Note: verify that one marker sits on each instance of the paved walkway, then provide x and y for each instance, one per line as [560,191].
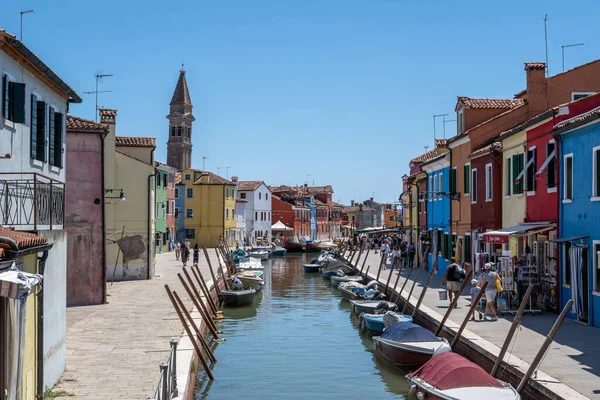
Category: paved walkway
[573,359]
[114,350]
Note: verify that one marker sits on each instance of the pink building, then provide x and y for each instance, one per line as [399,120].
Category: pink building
[84,212]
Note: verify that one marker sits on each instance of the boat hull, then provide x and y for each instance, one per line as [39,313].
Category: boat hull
[260,255]
[374,322]
[237,298]
[293,247]
[252,283]
[348,294]
[279,252]
[408,354]
[369,306]
[506,393]
[311,267]
[337,280]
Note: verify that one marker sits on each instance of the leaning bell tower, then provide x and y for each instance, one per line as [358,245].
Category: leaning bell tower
[179,145]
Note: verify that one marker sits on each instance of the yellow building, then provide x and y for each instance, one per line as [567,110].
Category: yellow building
[514,196]
[209,207]
[129,186]
[20,248]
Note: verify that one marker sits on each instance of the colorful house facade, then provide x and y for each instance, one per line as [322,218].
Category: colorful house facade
[579,215]
[164,209]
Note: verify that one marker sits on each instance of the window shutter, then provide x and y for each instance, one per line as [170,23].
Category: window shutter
[521,166]
[18,102]
[51,133]
[41,154]
[534,169]
[59,139]
[33,127]
[515,173]
[597,166]
[5,97]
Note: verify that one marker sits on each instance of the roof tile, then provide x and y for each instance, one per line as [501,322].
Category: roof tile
[249,185]
[135,141]
[213,179]
[490,103]
[76,124]
[23,239]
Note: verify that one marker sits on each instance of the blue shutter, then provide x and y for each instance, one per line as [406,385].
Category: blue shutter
[51,143]
[18,102]
[59,139]
[33,127]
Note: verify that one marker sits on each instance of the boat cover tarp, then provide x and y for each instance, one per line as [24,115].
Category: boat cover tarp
[451,371]
[408,332]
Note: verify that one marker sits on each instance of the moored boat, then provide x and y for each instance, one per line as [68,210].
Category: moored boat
[369,306]
[238,255]
[250,264]
[260,253]
[405,344]
[294,247]
[351,290]
[234,298]
[374,323]
[449,376]
[251,279]
[337,280]
[311,267]
[279,251]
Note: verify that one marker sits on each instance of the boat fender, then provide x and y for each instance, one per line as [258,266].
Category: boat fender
[412,390]
[369,294]
[236,284]
[372,285]
[421,396]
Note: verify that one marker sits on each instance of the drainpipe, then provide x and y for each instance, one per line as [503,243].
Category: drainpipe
[150,239]
[40,323]
[102,137]
[557,142]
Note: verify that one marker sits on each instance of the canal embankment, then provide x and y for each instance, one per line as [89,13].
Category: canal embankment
[568,371]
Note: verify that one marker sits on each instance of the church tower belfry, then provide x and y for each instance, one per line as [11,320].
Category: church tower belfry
[179,145]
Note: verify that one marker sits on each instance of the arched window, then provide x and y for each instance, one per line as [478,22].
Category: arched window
[173,131]
[178,131]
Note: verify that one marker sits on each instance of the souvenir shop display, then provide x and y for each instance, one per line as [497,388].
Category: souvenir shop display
[528,274]
[507,299]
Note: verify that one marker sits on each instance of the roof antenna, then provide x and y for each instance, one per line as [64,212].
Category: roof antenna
[546,39]
[426,147]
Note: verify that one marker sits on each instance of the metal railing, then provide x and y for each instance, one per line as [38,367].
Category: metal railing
[31,199]
[166,388]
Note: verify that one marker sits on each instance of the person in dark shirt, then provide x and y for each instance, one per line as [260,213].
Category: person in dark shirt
[450,280]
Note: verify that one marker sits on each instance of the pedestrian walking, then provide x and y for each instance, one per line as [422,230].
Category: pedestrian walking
[410,254]
[177,250]
[451,279]
[196,254]
[490,291]
[185,254]
[474,293]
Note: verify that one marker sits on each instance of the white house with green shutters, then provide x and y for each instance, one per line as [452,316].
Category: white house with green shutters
[34,103]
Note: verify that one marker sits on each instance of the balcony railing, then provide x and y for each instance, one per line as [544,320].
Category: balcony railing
[166,388]
[31,201]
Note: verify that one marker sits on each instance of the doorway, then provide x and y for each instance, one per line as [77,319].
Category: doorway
[585,287]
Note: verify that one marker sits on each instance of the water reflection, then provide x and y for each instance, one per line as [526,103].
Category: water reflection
[298,340]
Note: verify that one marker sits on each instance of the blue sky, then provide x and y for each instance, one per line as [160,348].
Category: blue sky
[341,90]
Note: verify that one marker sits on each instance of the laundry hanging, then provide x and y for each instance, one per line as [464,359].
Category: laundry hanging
[576,261]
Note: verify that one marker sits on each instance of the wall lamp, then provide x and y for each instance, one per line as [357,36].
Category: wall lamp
[121,195]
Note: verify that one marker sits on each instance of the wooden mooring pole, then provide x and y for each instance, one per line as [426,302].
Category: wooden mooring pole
[212,273]
[404,284]
[190,335]
[380,264]
[422,296]
[199,335]
[225,278]
[365,260]
[512,330]
[407,300]
[212,327]
[545,345]
[454,301]
[357,259]
[205,290]
[471,311]
[396,284]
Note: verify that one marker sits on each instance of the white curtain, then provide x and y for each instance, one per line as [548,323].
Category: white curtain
[576,261]
[15,343]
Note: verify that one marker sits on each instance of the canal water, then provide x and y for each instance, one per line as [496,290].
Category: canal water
[298,341]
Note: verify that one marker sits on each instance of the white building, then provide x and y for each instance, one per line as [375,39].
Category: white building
[240,221]
[35,102]
[258,209]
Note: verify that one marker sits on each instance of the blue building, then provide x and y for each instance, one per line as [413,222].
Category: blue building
[438,210]
[579,215]
[180,233]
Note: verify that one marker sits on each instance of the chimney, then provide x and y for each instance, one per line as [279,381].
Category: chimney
[371,199]
[537,88]
[107,115]
[352,203]
[234,179]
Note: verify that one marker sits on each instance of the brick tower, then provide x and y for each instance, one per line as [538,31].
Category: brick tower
[179,145]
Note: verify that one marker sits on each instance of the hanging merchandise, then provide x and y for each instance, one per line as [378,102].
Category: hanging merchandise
[507,272]
[480,260]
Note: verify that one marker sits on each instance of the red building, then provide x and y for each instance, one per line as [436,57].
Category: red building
[291,215]
[84,212]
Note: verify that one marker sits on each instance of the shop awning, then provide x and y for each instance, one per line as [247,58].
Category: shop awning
[570,239]
[501,235]
[15,284]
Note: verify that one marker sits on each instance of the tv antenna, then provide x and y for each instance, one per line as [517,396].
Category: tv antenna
[563,52]
[434,117]
[98,77]
[23,13]
[225,168]
[546,40]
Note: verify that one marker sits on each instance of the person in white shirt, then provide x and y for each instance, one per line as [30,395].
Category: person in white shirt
[385,250]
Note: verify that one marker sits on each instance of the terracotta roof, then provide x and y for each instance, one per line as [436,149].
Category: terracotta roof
[495,146]
[577,121]
[107,112]
[36,63]
[181,95]
[23,240]
[319,189]
[213,179]
[489,103]
[350,209]
[437,157]
[76,124]
[521,93]
[135,141]
[320,203]
[425,156]
[249,185]
[535,65]
[465,133]
[441,143]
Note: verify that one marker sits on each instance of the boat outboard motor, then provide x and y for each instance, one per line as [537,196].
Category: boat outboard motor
[369,294]
[382,308]
[339,272]
[236,284]
[372,285]
[314,261]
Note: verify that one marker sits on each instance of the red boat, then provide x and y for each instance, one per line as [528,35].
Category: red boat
[294,247]
[449,376]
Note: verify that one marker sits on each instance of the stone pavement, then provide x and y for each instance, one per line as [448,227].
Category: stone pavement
[114,350]
[573,358]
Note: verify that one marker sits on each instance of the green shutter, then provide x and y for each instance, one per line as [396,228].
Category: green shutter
[467,178]
[41,154]
[33,127]
[18,102]
[51,142]
[453,181]
[515,173]
[521,167]
[6,97]
[58,140]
